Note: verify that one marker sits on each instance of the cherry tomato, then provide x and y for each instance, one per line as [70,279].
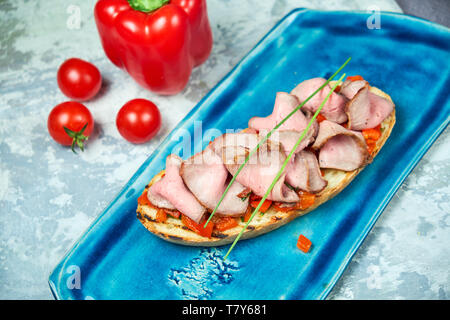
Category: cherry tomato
[79,79]
[138,120]
[70,124]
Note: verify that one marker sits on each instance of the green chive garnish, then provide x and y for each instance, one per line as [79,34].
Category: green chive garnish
[269,134]
[280,172]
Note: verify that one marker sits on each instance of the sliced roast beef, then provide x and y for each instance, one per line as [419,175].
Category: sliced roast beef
[159,201]
[229,142]
[288,139]
[332,110]
[289,132]
[343,153]
[314,126]
[240,139]
[207,178]
[285,103]
[304,173]
[260,171]
[171,188]
[340,148]
[316,182]
[350,88]
[367,110]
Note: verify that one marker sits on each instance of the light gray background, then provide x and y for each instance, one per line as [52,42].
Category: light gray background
[49,196]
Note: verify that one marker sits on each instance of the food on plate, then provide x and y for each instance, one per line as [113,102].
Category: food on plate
[303,243]
[78,79]
[70,124]
[157,42]
[138,121]
[354,123]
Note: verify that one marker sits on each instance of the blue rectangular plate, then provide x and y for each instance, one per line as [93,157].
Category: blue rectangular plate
[407,58]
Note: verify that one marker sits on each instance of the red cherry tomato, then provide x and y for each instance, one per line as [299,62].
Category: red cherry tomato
[70,124]
[138,120]
[79,79]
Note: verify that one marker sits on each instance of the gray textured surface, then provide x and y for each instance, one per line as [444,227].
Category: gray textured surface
[49,196]
[434,10]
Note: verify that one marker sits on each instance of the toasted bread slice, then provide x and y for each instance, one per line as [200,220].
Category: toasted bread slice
[174,230]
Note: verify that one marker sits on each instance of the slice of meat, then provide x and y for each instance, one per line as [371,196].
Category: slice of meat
[350,88]
[243,139]
[285,103]
[230,141]
[332,110]
[159,200]
[289,132]
[260,171]
[316,182]
[207,178]
[314,125]
[249,140]
[304,173]
[329,129]
[171,188]
[288,139]
[297,173]
[367,110]
[340,148]
[343,153]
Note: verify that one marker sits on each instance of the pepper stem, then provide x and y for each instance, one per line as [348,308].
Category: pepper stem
[147,5]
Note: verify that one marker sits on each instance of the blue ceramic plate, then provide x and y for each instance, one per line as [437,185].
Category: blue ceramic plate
[408,58]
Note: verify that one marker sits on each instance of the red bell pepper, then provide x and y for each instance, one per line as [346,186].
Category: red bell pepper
[198,227]
[157,42]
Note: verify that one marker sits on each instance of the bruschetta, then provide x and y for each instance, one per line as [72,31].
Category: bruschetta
[349,132]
